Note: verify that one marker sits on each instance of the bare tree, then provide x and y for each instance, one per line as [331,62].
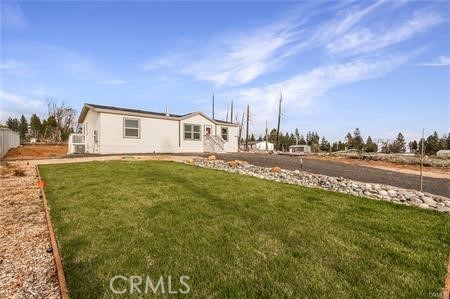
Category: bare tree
[64,116]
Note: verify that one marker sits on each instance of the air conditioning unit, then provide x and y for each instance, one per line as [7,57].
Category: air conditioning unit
[79,149]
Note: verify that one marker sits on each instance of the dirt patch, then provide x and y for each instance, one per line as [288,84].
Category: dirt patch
[36,151]
[27,270]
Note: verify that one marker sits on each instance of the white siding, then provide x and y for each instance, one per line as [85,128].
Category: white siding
[92,123]
[156,135]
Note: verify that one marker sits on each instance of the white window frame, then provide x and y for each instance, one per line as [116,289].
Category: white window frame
[227,134]
[138,128]
[191,131]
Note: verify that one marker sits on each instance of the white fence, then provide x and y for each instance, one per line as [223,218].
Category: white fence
[8,139]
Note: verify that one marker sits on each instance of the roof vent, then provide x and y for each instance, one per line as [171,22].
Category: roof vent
[167,111]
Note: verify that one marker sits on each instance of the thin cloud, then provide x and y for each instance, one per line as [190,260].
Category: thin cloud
[438,61]
[239,58]
[13,104]
[113,82]
[365,40]
[12,16]
[301,92]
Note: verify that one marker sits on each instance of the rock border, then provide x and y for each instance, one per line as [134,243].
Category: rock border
[337,184]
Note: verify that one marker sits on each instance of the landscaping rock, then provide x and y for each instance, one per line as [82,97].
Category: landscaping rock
[373,191]
[276,169]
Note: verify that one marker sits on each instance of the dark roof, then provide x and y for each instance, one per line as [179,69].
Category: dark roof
[133,110]
[147,112]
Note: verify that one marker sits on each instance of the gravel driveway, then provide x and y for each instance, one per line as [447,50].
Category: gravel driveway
[338,169]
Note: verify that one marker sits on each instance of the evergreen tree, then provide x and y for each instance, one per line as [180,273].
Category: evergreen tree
[302,140]
[370,146]
[413,147]
[432,145]
[23,127]
[357,141]
[335,147]
[35,125]
[349,141]
[273,136]
[13,124]
[399,145]
[324,145]
[297,136]
[252,138]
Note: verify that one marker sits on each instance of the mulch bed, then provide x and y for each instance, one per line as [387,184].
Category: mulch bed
[27,269]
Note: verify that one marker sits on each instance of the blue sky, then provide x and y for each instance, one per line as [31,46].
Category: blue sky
[381,66]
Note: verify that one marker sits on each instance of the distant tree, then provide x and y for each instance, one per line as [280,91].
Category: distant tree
[260,138]
[448,141]
[23,127]
[252,138]
[432,145]
[443,142]
[49,126]
[334,147]
[399,145]
[273,136]
[370,146]
[13,124]
[297,136]
[341,145]
[312,138]
[385,147]
[349,141]
[64,117]
[324,145]
[357,141]
[35,126]
[302,140]
[413,147]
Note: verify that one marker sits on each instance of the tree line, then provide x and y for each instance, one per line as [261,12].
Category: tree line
[355,141]
[56,127]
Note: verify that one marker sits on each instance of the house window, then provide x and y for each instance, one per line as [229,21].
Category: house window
[131,128]
[192,132]
[224,133]
[95,136]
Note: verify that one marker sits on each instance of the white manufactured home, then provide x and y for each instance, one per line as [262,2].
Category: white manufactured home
[113,130]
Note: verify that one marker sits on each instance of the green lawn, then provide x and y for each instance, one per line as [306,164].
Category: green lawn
[237,236]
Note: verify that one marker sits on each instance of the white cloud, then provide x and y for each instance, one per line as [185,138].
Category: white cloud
[13,104]
[238,58]
[438,61]
[12,66]
[365,40]
[112,82]
[12,15]
[301,92]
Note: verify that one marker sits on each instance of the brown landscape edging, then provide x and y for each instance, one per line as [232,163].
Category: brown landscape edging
[446,290]
[54,244]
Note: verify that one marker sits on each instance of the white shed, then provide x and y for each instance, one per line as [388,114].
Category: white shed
[300,149]
[264,146]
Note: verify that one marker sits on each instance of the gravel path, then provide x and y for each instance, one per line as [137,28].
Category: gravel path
[338,169]
[27,270]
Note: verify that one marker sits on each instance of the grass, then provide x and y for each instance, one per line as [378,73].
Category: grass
[237,236]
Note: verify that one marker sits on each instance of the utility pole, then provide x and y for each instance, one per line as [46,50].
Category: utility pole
[421,160]
[267,140]
[241,125]
[279,117]
[246,133]
[213,106]
[226,118]
[231,117]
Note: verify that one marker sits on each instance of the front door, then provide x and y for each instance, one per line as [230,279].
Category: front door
[207,130]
